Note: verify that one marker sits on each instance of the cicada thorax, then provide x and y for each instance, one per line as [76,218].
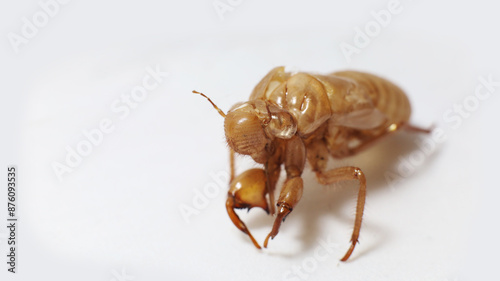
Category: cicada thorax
[300,94]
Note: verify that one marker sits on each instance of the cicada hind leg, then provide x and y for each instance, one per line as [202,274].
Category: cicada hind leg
[317,154]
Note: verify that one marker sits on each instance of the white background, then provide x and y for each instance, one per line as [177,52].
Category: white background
[116,215]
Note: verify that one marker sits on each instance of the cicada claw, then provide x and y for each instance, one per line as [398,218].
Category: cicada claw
[247,190]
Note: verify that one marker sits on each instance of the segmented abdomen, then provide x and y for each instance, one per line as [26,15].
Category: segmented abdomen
[386,96]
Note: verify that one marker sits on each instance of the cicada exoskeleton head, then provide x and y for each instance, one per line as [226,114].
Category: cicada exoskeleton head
[251,127]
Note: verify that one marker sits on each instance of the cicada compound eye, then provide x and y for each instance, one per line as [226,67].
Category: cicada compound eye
[244,132]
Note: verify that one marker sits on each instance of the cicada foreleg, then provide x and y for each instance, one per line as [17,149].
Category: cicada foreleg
[247,190]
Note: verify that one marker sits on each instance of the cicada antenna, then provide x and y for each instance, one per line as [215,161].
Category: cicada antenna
[231,153]
[215,106]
